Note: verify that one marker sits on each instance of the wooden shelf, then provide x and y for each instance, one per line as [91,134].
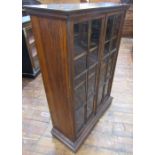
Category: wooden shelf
[85,53]
[93,49]
[109,40]
[83,81]
[82,73]
[80,56]
[109,54]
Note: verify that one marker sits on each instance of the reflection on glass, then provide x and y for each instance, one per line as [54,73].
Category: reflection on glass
[91,86]
[36,62]
[79,118]
[109,27]
[91,90]
[90,105]
[33,50]
[80,95]
[106,89]
[80,80]
[109,68]
[95,33]
[117,24]
[114,43]
[34,56]
[86,42]
[110,65]
[92,71]
[30,35]
[80,65]
[80,38]
[106,48]
[92,58]
[113,25]
[102,79]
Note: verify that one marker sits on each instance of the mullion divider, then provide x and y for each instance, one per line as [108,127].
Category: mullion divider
[87,65]
[108,58]
[111,38]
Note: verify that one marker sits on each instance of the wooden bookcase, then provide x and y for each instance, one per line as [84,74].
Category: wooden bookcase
[30,62]
[78,46]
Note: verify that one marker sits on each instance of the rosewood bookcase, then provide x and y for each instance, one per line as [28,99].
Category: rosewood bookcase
[77,46]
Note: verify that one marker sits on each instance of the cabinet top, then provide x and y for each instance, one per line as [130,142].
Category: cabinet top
[69,8]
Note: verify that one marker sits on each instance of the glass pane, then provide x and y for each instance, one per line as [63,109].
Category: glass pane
[86,53]
[30,36]
[33,50]
[80,38]
[90,105]
[95,33]
[91,86]
[36,62]
[109,27]
[80,65]
[109,69]
[106,89]
[106,48]
[80,80]
[91,90]
[80,96]
[92,71]
[114,43]
[117,25]
[34,56]
[102,81]
[110,65]
[92,58]
[79,118]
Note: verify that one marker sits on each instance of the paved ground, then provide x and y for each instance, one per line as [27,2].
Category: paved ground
[113,134]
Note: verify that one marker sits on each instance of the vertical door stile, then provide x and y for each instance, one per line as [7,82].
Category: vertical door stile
[70,44]
[111,41]
[122,14]
[87,66]
[101,46]
[108,59]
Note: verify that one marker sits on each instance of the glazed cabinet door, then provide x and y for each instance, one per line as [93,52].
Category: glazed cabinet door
[30,41]
[108,57]
[85,61]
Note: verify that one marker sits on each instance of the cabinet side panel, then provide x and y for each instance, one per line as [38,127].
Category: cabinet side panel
[51,42]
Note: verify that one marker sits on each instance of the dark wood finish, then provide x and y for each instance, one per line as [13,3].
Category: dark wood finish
[75,145]
[28,2]
[30,62]
[57,84]
[77,47]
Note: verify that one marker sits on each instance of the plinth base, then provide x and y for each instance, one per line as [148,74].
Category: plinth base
[76,144]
